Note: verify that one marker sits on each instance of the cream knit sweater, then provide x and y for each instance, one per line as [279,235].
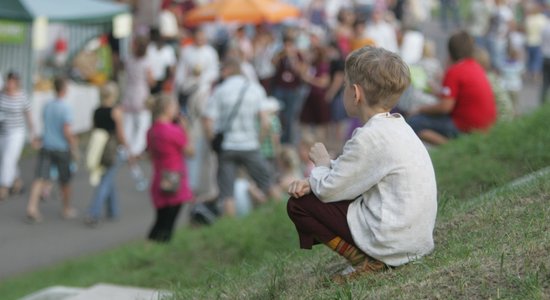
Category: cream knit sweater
[387,170]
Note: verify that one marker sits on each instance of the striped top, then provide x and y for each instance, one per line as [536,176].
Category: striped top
[12,109]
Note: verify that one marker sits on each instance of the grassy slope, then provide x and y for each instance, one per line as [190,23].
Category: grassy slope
[486,247]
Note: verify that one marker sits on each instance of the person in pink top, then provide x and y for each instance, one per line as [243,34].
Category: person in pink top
[168,144]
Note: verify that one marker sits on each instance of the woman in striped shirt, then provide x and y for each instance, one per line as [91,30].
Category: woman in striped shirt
[15,111]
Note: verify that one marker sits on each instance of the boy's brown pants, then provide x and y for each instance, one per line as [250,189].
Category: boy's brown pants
[319,222]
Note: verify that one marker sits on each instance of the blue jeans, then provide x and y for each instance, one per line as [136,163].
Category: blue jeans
[534,59]
[442,124]
[105,193]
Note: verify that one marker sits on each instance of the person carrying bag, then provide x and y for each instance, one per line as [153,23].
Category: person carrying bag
[217,141]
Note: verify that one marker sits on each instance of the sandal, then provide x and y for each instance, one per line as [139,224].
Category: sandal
[18,188]
[4,193]
[33,219]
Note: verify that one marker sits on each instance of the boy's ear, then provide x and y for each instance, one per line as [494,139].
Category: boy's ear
[357,94]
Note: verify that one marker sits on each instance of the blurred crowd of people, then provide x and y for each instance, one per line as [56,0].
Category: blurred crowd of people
[272,91]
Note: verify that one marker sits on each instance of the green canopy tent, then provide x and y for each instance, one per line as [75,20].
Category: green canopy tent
[61,10]
[86,19]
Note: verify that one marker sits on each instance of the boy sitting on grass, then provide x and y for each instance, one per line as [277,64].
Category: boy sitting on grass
[376,203]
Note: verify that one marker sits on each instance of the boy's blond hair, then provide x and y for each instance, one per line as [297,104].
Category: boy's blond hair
[382,75]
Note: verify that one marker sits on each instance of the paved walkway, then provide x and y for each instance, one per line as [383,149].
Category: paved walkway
[25,247]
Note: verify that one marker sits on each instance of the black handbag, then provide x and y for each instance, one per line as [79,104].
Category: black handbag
[109,152]
[217,141]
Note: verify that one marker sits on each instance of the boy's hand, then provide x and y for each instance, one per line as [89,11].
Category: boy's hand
[319,155]
[299,188]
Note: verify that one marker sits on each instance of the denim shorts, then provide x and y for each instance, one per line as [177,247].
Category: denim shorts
[442,124]
[257,167]
[60,159]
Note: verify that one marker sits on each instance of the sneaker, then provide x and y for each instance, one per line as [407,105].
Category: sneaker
[91,222]
[70,214]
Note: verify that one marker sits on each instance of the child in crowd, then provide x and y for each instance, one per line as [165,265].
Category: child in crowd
[512,71]
[376,203]
[502,98]
[246,193]
[466,102]
[271,137]
[431,65]
[168,143]
[426,76]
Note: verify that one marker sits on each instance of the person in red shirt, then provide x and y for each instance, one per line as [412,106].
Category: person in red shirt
[467,103]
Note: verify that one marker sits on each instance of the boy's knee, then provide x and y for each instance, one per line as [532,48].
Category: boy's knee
[291,207]
[301,206]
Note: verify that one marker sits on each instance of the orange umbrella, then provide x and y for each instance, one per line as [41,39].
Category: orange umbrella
[242,11]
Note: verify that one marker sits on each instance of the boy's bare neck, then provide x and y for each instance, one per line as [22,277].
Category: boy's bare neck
[368,112]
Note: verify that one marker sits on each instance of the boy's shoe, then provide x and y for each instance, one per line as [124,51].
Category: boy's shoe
[368,266]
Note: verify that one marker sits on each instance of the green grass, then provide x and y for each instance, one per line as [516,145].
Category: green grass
[495,246]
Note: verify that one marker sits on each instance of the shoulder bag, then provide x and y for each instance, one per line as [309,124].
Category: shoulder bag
[170,180]
[217,142]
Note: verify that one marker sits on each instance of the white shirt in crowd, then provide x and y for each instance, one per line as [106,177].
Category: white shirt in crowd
[479,18]
[160,60]
[534,24]
[197,64]
[249,72]
[262,61]
[384,35]
[242,134]
[388,171]
[504,15]
[168,24]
